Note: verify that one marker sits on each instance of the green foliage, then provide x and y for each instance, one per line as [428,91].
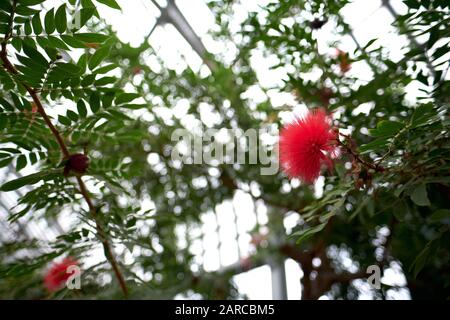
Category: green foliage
[79,73]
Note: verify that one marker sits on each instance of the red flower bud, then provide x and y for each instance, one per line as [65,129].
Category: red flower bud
[78,163]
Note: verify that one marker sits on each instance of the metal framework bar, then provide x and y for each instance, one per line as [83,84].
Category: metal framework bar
[171,14]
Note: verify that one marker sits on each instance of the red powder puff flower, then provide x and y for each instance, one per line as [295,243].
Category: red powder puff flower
[344,63]
[325,94]
[56,277]
[306,144]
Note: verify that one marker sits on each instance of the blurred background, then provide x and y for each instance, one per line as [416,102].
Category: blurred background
[222,231]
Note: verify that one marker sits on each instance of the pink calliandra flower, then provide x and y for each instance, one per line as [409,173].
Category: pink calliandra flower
[306,144]
[57,276]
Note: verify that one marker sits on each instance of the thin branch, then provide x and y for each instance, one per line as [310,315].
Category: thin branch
[357,157]
[349,30]
[10,22]
[411,38]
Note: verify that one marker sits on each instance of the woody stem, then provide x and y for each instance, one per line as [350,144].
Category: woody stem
[356,155]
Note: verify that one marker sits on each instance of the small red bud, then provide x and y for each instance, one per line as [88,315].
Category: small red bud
[78,163]
[359,183]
